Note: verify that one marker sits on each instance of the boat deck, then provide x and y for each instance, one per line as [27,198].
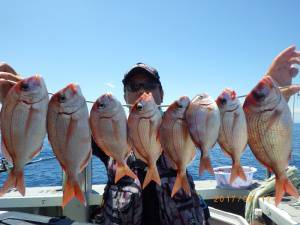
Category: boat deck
[47,201]
[287,212]
[52,196]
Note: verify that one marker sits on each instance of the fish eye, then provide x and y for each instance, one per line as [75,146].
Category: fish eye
[180,106]
[139,106]
[62,98]
[24,86]
[223,101]
[101,106]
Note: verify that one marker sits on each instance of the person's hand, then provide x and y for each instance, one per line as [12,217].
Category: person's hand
[282,69]
[4,67]
[8,78]
[288,91]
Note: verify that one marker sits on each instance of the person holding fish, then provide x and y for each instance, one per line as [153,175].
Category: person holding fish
[131,199]
[139,200]
[158,207]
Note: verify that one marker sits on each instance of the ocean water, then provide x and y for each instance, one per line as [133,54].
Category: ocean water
[49,173]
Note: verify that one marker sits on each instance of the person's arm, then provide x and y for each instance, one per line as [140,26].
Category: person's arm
[99,153]
[282,70]
[8,78]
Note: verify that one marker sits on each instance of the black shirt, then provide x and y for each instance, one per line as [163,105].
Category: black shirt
[150,199]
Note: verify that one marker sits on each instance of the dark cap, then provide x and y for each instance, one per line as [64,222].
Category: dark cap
[141,68]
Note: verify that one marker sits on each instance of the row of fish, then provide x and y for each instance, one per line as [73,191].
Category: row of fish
[264,122]
[27,114]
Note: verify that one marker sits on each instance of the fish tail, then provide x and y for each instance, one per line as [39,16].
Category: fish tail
[237,171]
[152,174]
[79,194]
[181,182]
[71,190]
[68,192]
[123,170]
[282,186]
[15,180]
[205,165]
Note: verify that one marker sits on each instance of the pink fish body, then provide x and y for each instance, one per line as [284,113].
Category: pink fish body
[109,129]
[233,135]
[143,124]
[70,137]
[23,127]
[203,118]
[176,141]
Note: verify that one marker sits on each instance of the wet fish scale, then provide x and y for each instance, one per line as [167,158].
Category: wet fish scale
[177,143]
[270,132]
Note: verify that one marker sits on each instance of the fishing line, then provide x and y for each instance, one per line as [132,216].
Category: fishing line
[167,105]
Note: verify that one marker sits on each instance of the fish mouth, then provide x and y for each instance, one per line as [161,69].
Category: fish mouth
[141,112]
[75,111]
[275,102]
[234,109]
[31,103]
[206,104]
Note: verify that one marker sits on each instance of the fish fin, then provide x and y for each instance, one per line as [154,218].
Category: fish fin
[4,151]
[15,179]
[20,186]
[274,117]
[235,121]
[237,171]
[207,119]
[86,161]
[170,160]
[152,174]
[36,152]
[70,130]
[181,182]
[143,129]
[116,129]
[123,170]
[282,186]
[139,156]
[68,192]
[28,121]
[205,165]
[79,194]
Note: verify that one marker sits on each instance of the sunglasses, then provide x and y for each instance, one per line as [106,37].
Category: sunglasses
[134,87]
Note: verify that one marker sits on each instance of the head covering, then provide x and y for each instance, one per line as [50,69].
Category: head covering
[141,68]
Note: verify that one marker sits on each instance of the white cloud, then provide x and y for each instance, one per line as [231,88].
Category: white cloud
[110,85]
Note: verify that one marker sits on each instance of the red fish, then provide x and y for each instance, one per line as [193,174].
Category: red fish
[109,129]
[143,124]
[233,134]
[176,142]
[23,127]
[270,132]
[70,137]
[203,118]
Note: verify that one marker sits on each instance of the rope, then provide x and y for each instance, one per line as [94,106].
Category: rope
[167,105]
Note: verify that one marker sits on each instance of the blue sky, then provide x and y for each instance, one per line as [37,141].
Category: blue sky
[197,46]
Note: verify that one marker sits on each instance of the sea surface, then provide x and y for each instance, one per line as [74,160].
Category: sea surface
[49,173]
